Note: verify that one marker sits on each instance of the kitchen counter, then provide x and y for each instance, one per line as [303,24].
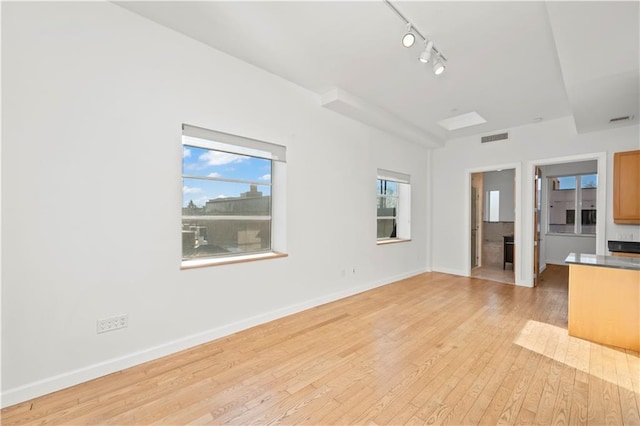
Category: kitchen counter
[618,262]
[604,299]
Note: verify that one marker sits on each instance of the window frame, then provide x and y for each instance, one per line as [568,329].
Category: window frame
[216,141]
[402,214]
[577,217]
[395,197]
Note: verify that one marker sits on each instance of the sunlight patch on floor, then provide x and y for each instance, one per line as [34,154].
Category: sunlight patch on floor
[555,343]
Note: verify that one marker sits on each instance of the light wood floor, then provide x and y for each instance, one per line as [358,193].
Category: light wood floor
[432,349]
[494,273]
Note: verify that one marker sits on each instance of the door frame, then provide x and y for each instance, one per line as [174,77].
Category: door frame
[517,226]
[601,204]
[537,221]
[477,203]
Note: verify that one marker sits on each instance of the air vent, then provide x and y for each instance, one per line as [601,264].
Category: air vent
[623,118]
[496,137]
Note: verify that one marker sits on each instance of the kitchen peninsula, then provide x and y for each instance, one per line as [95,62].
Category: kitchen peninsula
[604,299]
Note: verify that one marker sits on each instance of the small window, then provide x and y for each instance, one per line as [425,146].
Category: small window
[571,217]
[572,204]
[493,206]
[227,186]
[387,208]
[393,206]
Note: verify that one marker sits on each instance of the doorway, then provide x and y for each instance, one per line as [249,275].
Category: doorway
[493,225]
[568,201]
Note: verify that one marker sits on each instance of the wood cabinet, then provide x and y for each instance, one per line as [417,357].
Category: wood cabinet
[623,254]
[604,305]
[507,251]
[626,187]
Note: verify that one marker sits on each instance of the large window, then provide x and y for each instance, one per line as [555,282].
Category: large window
[393,206]
[227,186]
[572,204]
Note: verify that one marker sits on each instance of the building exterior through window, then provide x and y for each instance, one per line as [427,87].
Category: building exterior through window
[393,197]
[227,204]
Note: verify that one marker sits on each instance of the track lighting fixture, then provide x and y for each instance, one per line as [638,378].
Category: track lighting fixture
[409,38]
[425,56]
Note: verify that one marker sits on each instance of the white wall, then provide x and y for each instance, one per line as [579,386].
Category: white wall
[526,146]
[93,100]
[558,247]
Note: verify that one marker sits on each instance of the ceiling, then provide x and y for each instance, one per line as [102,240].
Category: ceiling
[514,63]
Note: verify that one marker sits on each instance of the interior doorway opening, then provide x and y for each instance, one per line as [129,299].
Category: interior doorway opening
[493,225]
[567,211]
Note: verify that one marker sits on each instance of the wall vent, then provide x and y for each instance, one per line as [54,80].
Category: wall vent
[493,138]
[623,118]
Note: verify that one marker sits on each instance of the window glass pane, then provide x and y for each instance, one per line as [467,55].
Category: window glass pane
[209,236]
[589,189]
[392,213]
[494,209]
[221,217]
[386,228]
[209,163]
[387,203]
[562,205]
[565,182]
[387,187]
[589,181]
[565,216]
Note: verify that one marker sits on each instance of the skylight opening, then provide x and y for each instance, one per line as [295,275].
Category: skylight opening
[462,121]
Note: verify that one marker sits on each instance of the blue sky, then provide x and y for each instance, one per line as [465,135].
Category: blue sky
[569,182]
[208,163]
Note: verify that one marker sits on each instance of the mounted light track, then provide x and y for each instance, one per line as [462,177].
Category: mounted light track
[408,40]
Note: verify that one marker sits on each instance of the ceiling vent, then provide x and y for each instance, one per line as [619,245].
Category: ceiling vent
[496,137]
[623,118]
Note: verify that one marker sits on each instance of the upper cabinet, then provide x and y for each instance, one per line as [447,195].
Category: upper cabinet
[626,187]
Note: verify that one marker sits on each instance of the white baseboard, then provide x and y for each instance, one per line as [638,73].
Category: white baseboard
[74,377]
[449,271]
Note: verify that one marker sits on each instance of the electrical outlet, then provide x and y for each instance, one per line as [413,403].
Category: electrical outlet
[113,323]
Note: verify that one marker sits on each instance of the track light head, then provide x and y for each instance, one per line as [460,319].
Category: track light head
[408,38]
[438,67]
[425,56]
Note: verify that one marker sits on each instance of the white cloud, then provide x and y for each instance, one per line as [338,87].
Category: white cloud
[186,152]
[218,158]
[214,174]
[265,177]
[221,196]
[188,190]
[201,201]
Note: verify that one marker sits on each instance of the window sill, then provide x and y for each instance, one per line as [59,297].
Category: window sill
[561,234]
[203,263]
[392,241]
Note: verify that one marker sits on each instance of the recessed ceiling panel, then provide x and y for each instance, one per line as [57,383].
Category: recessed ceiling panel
[462,121]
